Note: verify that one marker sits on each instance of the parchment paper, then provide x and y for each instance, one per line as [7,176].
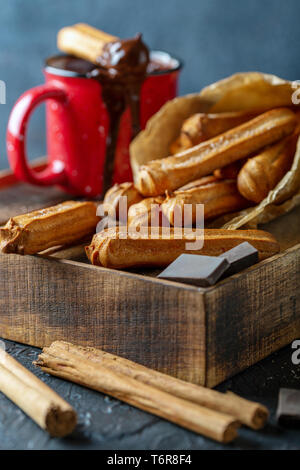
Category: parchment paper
[243,91]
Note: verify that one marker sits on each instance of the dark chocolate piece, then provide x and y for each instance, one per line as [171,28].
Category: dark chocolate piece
[199,270]
[288,409]
[240,257]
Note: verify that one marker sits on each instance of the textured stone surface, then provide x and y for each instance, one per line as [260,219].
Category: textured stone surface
[106,423]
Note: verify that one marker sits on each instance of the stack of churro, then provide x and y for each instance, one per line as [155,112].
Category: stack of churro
[227,148]
[225,168]
[225,161]
[230,161]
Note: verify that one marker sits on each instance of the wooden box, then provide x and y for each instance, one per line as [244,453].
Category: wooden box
[202,335]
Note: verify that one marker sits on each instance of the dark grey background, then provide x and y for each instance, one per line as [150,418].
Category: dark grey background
[214,37]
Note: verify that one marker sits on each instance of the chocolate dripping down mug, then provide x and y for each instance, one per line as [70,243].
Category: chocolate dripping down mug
[77,124]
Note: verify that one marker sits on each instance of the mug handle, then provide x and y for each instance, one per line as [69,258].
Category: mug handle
[54,173]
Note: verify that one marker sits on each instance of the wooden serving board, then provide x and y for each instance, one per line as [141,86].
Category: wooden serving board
[202,335]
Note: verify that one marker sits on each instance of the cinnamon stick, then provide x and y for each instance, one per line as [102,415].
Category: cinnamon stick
[250,413]
[63,362]
[36,399]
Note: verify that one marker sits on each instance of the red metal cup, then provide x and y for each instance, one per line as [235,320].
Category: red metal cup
[77,125]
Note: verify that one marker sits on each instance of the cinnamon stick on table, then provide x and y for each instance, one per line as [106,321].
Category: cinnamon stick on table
[250,413]
[63,361]
[35,398]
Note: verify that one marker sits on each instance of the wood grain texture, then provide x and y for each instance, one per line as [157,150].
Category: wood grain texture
[156,324]
[199,335]
[252,315]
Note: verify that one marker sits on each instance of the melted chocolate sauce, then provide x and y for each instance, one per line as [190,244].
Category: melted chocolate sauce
[69,63]
[121,72]
[123,66]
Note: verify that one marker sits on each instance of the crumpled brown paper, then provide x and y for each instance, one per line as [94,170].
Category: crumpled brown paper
[243,91]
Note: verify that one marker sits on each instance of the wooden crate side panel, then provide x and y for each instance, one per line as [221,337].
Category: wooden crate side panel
[159,325]
[253,315]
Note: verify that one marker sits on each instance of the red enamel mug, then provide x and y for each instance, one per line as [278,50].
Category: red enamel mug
[77,125]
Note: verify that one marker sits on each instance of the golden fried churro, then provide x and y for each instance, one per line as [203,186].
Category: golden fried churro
[262,173]
[110,250]
[157,176]
[83,41]
[219,197]
[201,126]
[230,171]
[36,231]
[113,195]
[140,215]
